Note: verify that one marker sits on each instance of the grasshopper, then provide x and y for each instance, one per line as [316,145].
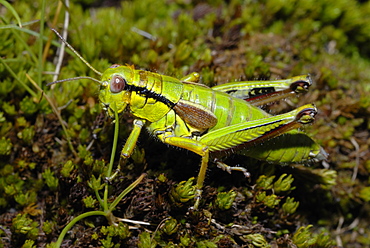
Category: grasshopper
[211,122]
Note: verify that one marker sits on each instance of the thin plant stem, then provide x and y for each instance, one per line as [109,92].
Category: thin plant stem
[115,139]
[74,221]
[24,85]
[114,148]
[30,32]
[125,192]
[99,198]
[13,11]
[54,23]
[63,45]
[41,43]
[105,199]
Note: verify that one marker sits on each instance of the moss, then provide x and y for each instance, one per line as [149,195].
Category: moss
[223,41]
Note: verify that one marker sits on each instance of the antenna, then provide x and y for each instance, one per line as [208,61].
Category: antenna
[78,55]
[74,78]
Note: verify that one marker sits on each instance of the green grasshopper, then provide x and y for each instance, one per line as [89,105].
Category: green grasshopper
[211,122]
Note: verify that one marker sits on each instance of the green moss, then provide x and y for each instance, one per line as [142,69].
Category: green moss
[23,226]
[5,146]
[184,191]
[268,200]
[303,237]
[225,200]
[48,227]
[67,168]
[145,241]
[170,226]
[257,240]
[290,206]
[50,180]
[122,231]
[283,183]
[224,42]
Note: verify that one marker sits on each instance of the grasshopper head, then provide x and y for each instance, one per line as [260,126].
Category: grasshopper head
[114,94]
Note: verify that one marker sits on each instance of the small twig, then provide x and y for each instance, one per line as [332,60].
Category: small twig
[351,226]
[355,169]
[63,45]
[50,37]
[65,105]
[338,231]
[90,145]
[148,35]
[133,221]
[159,226]
[218,226]
[143,33]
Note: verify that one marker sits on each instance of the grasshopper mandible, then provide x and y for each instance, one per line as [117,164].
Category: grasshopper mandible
[210,122]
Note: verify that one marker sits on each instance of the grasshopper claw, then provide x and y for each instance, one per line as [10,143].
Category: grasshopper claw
[110,179]
[228,168]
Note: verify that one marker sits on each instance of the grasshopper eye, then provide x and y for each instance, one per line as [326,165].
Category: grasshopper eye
[114,66]
[117,84]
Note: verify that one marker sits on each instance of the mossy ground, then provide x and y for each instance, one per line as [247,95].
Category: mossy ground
[44,179]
